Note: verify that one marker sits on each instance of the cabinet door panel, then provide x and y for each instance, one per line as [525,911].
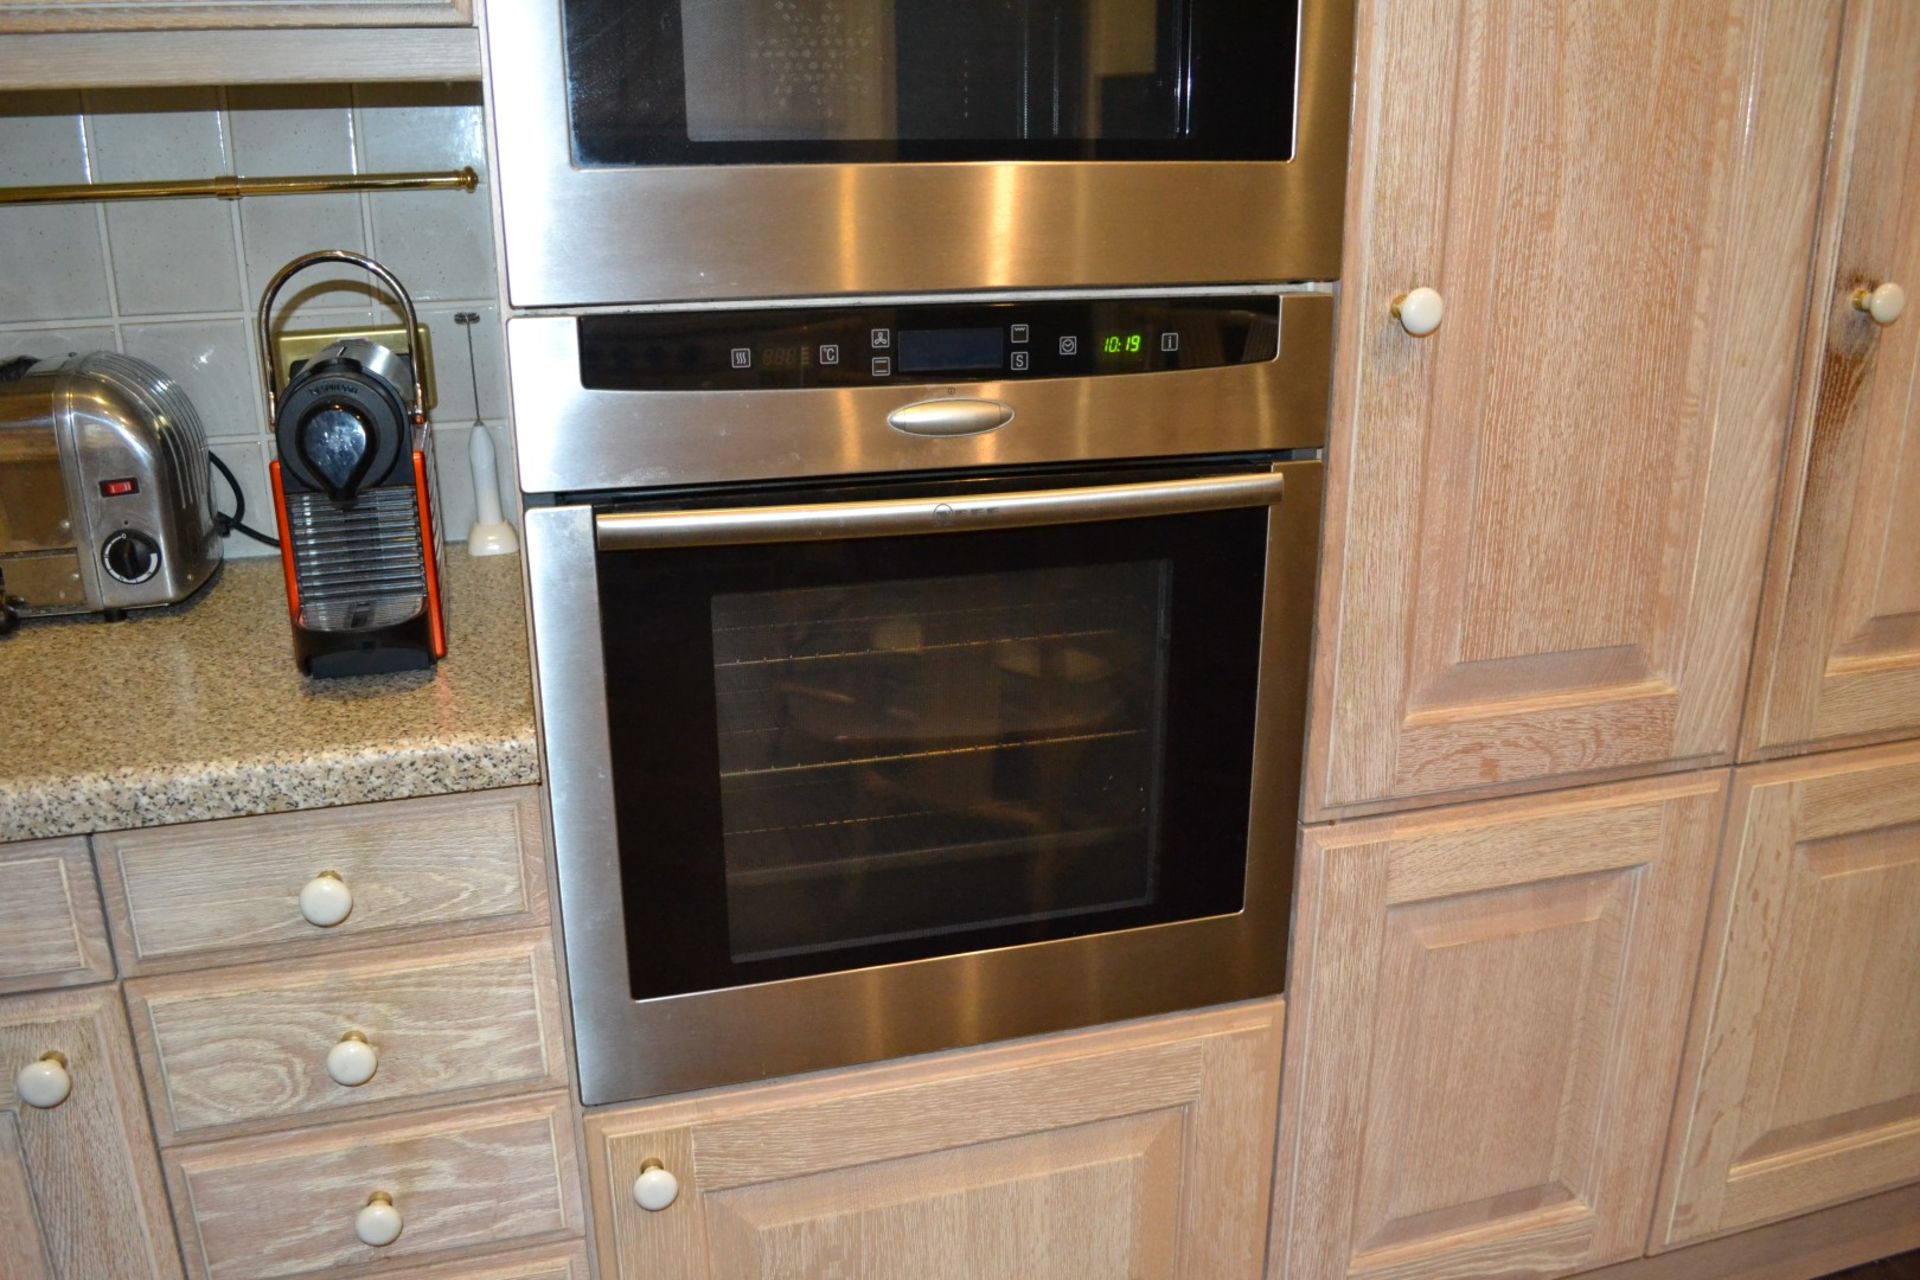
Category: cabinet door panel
[160,15]
[1548,518]
[23,1248]
[1838,660]
[1802,1087]
[52,933]
[1142,1151]
[1488,1004]
[86,1169]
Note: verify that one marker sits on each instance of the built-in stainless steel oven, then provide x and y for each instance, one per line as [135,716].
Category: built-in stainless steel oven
[917,672]
[683,149]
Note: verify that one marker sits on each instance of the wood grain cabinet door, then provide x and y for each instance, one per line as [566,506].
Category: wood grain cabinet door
[1486,1011]
[206,15]
[1802,1083]
[52,933]
[1838,658]
[1547,520]
[1142,1151]
[81,1196]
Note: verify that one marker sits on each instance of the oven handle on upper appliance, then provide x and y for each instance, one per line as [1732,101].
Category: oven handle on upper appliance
[743,526]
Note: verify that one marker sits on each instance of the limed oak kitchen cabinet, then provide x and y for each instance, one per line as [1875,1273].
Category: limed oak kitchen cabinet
[51,931]
[1838,654]
[205,15]
[1141,1150]
[1485,1023]
[69,44]
[80,1191]
[1547,518]
[1802,1084]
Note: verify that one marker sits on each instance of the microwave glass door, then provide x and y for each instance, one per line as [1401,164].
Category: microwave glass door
[696,82]
[830,755]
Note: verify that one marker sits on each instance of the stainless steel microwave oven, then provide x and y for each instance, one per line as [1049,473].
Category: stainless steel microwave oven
[682,150]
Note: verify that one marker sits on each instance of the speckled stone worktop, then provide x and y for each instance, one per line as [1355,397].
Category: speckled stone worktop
[197,711]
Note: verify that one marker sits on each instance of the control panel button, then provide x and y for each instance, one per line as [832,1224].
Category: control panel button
[880,339]
[1019,362]
[743,357]
[1169,342]
[131,557]
[1069,346]
[883,366]
[1018,333]
[119,488]
[829,353]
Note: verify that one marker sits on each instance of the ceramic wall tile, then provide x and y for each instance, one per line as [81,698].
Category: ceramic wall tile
[56,268]
[284,129]
[456,482]
[168,255]
[440,243]
[454,374]
[279,130]
[48,344]
[213,361]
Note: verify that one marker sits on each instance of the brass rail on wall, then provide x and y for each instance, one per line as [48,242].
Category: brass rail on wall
[232,188]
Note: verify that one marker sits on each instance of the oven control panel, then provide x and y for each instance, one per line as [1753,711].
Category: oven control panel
[791,348]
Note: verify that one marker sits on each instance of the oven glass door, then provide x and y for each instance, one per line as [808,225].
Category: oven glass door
[677,82]
[834,754]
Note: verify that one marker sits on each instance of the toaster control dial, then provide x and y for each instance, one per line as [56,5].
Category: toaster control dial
[130,556]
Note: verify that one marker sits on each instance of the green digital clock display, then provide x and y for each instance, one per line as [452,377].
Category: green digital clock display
[1123,344]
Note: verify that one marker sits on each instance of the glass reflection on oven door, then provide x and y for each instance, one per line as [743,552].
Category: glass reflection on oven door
[908,759]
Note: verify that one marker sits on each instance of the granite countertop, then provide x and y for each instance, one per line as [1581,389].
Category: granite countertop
[197,711]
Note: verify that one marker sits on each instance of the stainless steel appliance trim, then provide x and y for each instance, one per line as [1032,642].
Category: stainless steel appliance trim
[630,1049]
[951,295]
[950,416]
[584,236]
[743,526]
[572,439]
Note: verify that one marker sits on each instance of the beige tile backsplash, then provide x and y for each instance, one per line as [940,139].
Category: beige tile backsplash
[176,282]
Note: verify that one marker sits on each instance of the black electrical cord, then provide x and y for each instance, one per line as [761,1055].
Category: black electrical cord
[227,524]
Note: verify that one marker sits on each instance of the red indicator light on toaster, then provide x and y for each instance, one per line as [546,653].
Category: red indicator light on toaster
[118,488]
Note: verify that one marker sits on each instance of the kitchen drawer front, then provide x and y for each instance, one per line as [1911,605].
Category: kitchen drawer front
[51,931]
[462,1179]
[229,892]
[549,1262]
[247,1048]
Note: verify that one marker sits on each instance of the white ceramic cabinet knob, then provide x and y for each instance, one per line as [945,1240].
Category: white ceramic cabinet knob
[1419,311]
[1883,303]
[325,900]
[352,1061]
[655,1188]
[379,1223]
[44,1082]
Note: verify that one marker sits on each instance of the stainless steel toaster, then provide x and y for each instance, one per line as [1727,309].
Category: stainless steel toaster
[105,494]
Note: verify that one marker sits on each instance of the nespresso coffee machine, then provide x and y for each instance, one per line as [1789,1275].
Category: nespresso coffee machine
[354,491]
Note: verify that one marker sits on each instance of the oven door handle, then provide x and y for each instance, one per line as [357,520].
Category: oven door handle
[808,522]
